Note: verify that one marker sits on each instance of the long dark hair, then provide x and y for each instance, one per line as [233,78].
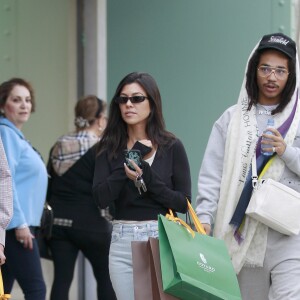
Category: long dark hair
[115,134]
[252,87]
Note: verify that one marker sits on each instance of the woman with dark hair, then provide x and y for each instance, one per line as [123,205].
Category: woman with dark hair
[29,177]
[139,193]
[78,225]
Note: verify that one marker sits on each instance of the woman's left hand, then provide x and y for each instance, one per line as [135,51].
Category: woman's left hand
[278,143]
[24,236]
[136,176]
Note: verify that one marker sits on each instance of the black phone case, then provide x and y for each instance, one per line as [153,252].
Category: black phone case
[143,148]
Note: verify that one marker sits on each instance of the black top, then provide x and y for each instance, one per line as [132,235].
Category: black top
[70,195]
[168,183]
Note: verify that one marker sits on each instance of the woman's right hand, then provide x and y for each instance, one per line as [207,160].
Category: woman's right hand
[207,228]
[24,236]
[2,256]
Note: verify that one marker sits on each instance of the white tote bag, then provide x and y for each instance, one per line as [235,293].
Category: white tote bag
[275,205]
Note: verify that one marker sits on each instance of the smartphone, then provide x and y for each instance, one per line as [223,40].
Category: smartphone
[134,155]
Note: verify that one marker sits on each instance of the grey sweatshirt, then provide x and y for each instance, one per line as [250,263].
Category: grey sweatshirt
[210,174]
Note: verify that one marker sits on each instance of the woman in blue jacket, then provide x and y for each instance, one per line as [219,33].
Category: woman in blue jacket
[29,178]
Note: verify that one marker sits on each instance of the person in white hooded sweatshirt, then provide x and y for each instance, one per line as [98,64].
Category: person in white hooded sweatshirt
[266,261]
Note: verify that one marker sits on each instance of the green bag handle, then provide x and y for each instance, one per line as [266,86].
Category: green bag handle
[199,227]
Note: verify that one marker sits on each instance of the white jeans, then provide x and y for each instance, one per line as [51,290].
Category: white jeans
[120,257]
[279,278]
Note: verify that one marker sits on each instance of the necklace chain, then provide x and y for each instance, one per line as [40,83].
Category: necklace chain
[263,111]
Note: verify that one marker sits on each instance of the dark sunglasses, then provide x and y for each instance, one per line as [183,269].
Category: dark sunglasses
[133,99]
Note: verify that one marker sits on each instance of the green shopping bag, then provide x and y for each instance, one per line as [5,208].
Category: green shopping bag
[196,267]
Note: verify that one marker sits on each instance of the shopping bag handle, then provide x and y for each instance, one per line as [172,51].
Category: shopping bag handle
[2,295]
[199,227]
[170,216]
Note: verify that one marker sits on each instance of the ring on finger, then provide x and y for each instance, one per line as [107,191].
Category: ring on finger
[138,175]
[274,149]
[21,241]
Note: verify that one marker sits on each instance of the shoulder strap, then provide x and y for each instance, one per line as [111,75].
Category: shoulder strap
[262,173]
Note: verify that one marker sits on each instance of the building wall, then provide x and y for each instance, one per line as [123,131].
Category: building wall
[38,43]
[196,50]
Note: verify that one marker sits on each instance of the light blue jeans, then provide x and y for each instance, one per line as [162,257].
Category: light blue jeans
[120,257]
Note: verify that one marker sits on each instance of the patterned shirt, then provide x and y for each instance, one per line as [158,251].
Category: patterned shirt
[6,196]
[69,148]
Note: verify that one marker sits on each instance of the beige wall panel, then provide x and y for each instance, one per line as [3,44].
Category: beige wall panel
[38,41]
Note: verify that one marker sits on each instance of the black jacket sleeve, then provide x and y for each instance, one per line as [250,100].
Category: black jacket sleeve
[109,179]
[172,194]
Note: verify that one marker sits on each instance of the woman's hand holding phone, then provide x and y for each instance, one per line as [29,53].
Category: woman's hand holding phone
[133,169]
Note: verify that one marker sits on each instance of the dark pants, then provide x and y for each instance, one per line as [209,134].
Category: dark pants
[65,245]
[24,265]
